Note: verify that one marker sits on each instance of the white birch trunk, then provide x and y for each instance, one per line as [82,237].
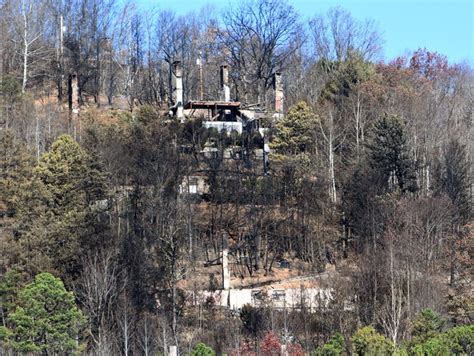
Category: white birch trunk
[330,137]
[25,47]
[332,174]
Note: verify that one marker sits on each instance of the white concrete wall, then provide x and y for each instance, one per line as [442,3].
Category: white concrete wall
[237,298]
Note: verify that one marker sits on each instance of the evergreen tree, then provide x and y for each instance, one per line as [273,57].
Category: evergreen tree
[366,341]
[456,341]
[453,179]
[15,170]
[202,349]
[46,319]
[426,325]
[344,76]
[335,346]
[389,156]
[60,216]
[296,132]
[9,285]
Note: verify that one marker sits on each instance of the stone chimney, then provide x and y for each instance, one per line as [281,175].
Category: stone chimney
[278,90]
[225,89]
[177,76]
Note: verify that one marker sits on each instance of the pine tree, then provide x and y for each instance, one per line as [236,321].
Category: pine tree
[15,170]
[427,324]
[453,179]
[60,213]
[389,156]
[46,319]
[333,347]
[10,283]
[296,132]
[202,349]
[367,341]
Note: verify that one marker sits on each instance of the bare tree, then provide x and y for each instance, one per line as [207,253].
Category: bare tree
[30,27]
[393,310]
[334,137]
[337,35]
[126,319]
[87,29]
[259,37]
[98,290]
[147,334]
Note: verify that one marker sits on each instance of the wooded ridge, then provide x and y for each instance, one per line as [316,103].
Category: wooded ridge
[239,182]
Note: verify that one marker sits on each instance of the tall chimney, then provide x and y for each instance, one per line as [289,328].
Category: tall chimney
[225,89]
[278,88]
[225,263]
[177,74]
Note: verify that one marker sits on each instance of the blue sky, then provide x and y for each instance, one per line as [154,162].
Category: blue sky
[445,26]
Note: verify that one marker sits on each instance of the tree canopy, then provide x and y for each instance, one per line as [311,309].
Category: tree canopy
[46,318]
[296,132]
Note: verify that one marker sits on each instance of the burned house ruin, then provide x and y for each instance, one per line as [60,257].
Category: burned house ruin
[224,114]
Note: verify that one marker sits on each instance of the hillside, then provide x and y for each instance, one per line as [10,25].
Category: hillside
[242,183]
